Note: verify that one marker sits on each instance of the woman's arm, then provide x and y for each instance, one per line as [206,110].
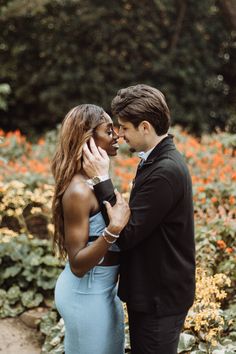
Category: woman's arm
[77,207]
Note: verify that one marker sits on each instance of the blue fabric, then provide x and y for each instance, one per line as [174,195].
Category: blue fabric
[92,312]
[97,226]
[90,307]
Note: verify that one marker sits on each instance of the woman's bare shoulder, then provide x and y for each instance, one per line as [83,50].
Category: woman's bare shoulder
[77,192]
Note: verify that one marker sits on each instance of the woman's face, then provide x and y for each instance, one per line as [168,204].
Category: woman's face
[105,136]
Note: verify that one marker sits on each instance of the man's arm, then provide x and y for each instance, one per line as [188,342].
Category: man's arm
[105,191]
[149,206]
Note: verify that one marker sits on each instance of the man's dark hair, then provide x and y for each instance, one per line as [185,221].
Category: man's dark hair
[142,102]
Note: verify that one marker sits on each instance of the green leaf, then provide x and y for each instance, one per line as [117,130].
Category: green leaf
[51,260]
[33,259]
[11,271]
[46,283]
[203,347]
[14,294]
[186,342]
[31,299]
[3,296]
[11,311]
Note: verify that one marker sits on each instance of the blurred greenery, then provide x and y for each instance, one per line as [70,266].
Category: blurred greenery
[28,273]
[4,91]
[59,53]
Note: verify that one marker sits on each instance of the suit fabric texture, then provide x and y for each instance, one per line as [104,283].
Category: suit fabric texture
[157,273]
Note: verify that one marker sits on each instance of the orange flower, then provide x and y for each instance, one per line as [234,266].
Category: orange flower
[231,200]
[17,132]
[229,250]
[221,244]
[189,154]
[41,141]
[214,199]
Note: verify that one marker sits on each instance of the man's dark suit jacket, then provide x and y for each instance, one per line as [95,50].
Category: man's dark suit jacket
[158,253]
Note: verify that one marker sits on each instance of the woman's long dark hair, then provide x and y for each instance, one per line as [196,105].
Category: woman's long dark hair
[77,128]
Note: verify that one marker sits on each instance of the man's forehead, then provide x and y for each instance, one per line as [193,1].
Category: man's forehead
[122,122]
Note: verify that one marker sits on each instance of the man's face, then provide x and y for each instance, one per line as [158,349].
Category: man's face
[132,135]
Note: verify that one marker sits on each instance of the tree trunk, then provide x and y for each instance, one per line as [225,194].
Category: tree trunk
[179,24]
[229,8]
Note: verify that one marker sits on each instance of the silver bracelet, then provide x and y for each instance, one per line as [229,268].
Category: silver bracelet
[110,234]
[110,242]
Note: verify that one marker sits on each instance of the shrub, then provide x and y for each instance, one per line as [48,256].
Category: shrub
[28,273]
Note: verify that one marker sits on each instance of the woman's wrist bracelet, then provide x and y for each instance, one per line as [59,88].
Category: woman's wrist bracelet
[111,234]
[104,236]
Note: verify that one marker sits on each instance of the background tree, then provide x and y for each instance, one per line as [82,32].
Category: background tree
[57,54]
[229,7]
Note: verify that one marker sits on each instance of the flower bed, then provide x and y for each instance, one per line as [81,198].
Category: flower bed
[26,188]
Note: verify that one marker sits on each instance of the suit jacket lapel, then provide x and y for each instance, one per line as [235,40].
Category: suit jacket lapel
[165,145]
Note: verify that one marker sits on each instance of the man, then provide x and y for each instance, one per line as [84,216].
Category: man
[157,275]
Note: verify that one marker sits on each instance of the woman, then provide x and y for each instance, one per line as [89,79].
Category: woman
[85,293]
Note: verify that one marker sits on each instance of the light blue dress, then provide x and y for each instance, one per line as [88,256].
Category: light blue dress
[92,312]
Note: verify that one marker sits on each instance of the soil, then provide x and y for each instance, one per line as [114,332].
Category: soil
[17,338]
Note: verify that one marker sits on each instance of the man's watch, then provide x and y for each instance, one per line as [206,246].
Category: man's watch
[98,179]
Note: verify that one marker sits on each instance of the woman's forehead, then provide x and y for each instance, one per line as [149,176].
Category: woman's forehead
[107,118]
[105,124]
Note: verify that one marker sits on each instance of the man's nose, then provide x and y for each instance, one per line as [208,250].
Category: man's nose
[121,132]
[115,134]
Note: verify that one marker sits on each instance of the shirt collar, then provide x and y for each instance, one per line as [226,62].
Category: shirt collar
[144,155]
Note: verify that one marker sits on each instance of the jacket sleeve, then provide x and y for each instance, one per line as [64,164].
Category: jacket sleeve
[105,191]
[149,206]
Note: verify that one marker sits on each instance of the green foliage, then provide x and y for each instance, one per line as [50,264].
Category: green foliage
[4,91]
[15,148]
[57,54]
[28,273]
[53,328]
[186,342]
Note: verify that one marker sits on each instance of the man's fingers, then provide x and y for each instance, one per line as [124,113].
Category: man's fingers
[108,207]
[119,197]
